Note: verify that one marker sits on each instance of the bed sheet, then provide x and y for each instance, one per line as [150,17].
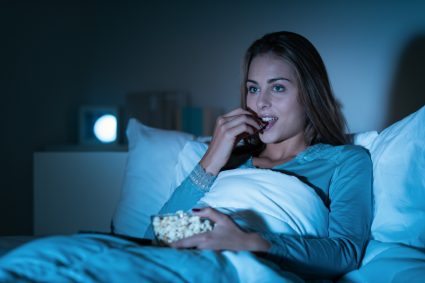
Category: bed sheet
[104,258]
[8,243]
[389,262]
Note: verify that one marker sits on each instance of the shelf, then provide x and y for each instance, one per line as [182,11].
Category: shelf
[84,148]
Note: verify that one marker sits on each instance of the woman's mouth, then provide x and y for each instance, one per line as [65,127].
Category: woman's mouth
[268,121]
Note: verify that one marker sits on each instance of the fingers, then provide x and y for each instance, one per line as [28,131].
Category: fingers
[237,113]
[236,125]
[243,119]
[235,132]
[203,239]
[195,241]
[229,129]
[212,214]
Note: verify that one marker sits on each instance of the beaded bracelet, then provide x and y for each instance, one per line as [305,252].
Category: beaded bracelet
[201,178]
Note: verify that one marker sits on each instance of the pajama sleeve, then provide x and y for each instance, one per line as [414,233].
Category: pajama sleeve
[187,195]
[350,214]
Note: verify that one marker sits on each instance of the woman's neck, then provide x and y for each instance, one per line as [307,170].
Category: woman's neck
[282,152]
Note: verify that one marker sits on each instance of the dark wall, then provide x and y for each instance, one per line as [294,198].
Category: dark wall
[45,53]
[59,55]
[408,89]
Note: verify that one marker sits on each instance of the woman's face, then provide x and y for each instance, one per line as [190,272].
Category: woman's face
[272,93]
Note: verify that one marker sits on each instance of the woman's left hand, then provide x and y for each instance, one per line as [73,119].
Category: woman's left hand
[226,235]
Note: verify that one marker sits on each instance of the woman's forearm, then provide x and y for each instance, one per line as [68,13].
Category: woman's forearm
[187,195]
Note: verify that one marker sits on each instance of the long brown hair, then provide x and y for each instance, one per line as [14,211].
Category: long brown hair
[324,120]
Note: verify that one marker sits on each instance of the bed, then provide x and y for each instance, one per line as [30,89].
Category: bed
[395,253]
[8,243]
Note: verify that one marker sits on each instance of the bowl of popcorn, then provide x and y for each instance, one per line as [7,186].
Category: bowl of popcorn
[172,227]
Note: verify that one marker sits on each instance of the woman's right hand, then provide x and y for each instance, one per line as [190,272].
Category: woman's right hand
[229,130]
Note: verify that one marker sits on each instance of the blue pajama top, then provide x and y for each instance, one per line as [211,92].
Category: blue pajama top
[342,177]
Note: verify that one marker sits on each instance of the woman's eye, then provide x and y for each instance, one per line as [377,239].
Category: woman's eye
[279,88]
[252,89]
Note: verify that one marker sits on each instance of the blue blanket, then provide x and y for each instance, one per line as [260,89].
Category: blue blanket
[104,258]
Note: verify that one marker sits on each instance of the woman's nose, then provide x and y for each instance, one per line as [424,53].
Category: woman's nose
[263,101]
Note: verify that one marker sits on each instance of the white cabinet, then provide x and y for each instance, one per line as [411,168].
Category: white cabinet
[76,191]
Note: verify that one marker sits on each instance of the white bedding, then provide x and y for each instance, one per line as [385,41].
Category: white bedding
[389,262]
[266,200]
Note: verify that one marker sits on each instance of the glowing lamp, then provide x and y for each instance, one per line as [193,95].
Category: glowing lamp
[105,128]
[98,125]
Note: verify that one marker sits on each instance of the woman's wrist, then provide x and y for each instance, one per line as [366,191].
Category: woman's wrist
[209,166]
[201,178]
[258,243]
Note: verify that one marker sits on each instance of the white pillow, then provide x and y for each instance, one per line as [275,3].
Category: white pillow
[398,156]
[365,139]
[190,155]
[149,176]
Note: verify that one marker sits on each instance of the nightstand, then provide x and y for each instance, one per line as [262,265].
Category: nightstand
[76,190]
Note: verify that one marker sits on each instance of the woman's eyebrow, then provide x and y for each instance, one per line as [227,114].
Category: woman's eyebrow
[278,79]
[270,80]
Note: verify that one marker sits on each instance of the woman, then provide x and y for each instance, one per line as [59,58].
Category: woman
[292,123]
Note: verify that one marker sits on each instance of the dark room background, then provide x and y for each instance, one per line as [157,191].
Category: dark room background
[59,55]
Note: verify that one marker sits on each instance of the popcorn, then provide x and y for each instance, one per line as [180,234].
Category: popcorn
[169,228]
